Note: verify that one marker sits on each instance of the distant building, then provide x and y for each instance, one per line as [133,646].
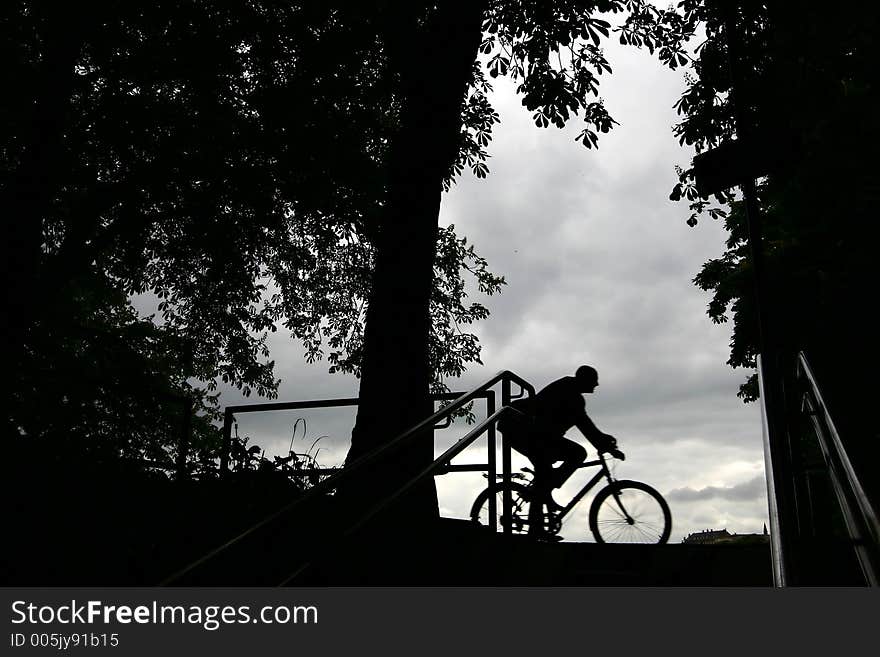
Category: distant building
[707,536]
[722,536]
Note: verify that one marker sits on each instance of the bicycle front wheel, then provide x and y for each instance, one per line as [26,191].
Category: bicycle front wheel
[519,513]
[630,512]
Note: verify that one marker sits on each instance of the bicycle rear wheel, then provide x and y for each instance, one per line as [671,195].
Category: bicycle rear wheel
[519,509]
[630,512]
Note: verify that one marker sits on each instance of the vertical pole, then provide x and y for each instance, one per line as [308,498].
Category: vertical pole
[506,501]
[778,461]
[227,443]
[778,552]
[491,461]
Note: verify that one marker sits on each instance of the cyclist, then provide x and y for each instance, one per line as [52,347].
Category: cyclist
[538,432]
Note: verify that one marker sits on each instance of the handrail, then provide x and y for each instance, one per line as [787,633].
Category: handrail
[860,517]
[436,466]
[230,412]
[778,554]
[505,377]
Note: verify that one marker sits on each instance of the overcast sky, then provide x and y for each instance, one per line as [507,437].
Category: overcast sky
[599,265]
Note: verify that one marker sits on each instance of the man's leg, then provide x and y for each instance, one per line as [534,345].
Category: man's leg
[523,442]
[541,487]
[572,456]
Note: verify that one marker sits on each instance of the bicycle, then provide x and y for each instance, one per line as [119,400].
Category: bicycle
[624,511]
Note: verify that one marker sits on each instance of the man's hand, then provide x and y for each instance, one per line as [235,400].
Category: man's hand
[609,445]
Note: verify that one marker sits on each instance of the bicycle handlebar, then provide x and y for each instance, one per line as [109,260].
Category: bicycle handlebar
[616,453]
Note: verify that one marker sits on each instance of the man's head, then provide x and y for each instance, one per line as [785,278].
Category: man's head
[587,378]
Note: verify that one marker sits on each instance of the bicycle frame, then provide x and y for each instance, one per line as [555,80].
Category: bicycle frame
[610,511]
[603,473]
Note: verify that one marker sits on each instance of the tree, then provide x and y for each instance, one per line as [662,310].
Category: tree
[811,95]
[106,385]
[552,49]
[208,153]
[229,160]
[814,109]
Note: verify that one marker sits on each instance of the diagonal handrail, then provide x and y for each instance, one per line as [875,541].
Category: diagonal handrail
[437,466]
[858,513]
[372,457]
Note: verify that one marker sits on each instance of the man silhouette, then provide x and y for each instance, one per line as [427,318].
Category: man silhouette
[538,432]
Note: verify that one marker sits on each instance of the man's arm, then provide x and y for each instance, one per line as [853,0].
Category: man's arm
[601,441]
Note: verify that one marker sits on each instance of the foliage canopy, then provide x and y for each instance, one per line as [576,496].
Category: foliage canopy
[228,159]
[809,91]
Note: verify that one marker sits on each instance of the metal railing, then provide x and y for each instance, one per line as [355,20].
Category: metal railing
[439,465]
[778,551]
[230,412]
[860,518]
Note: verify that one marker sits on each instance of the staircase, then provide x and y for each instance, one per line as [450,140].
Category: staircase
[458,553]
[311,542]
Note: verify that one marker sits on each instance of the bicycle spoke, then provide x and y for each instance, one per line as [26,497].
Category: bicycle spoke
[616,530]
[615,533]
[618,512]
[642,531]
[650,525]
[634,513]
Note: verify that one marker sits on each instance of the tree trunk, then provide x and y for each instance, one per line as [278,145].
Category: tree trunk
[434,63]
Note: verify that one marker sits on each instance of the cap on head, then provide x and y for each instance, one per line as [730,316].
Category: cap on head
[587,377]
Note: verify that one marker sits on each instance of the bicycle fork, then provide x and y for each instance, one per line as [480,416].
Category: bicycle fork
[629,519]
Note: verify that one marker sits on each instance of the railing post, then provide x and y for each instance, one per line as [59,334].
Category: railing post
[359,464]
[777,447]
[490,459]
[227,442]
[779,554]
[506,501]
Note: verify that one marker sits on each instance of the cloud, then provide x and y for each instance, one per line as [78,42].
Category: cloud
[754,489]
[599,265]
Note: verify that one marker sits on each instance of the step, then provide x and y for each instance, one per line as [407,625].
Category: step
[457,553]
